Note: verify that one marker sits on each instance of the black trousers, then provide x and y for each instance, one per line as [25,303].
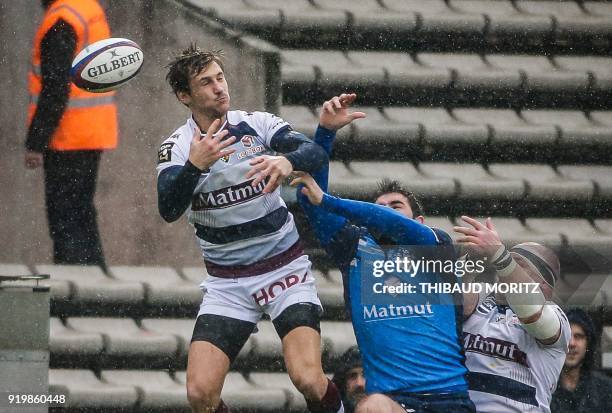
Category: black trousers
[70,185]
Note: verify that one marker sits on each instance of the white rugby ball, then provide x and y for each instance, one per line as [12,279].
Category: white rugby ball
[107,64]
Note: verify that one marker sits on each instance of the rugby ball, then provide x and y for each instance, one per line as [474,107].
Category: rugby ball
[107,64]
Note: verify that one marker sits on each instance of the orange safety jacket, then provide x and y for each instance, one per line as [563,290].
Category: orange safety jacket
[90,119]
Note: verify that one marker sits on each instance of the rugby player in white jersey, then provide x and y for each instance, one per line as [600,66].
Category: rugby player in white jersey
[227,181]
[515,343]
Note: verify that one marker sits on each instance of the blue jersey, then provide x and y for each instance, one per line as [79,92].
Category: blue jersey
[406,347]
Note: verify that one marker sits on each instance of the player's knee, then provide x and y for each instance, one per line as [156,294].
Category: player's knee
[201,397]
[375,403]
[309,380]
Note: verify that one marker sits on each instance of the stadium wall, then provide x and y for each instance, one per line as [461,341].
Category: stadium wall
[131,229]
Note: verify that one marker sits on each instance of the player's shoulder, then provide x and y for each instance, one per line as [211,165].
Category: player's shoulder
[442,236]
[182,133]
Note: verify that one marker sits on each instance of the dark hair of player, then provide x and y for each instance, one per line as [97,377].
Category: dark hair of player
[189,63]
[387,186]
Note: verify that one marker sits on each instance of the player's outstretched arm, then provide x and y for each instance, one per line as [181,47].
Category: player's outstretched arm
[376,218]
[538,319]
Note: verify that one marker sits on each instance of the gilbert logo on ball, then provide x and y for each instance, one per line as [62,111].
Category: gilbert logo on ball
[107,64]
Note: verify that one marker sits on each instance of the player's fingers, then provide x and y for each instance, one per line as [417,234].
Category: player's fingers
[272,184]
[197,134]
[357,115]
[220,135]
[347,98]
[296,182]
[468,239]
[466,231]
[257,160]
[214,127]
[221,154]
[227,142]
[472,222]
[262,175]
[328,107]
[489,224]
[336,102]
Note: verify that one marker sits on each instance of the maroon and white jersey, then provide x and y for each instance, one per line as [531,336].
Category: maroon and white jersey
[509,370]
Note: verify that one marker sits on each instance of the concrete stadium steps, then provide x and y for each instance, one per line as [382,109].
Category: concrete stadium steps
[415,25]
[104,342]
[162,391]
[396,133]
[448,79]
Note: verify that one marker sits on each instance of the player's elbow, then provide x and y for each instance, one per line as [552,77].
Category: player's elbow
[168,211]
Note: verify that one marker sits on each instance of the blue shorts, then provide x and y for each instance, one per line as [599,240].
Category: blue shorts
[435,403]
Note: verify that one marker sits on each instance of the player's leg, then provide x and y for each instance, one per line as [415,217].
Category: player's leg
[298,327]
[216,342]
[379,403]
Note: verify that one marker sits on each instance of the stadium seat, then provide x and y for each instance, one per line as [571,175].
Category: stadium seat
[599,174]
[439,127]
[474,182]
[337,337]
[69,343]
[163,286]
[126,342]
[575,231]
[60,290]
[597,66]
[602,117]
[241,395]
[238,14]
[540,74]
[543,183]
[280,381]
[508,129]
[267,347]
[436,16]
[604,225]
[570,20]
[331,293]
[156,389]
[91,289]
[85,391]
[470,72]
[576,129]
[504,20]
[597,8]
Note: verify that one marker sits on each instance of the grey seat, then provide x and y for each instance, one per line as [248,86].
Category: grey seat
[283,382]
[337,336]
[602,117]
[575,231]
[124,339]
[239,14]
[330,292]
[163,285]
[541,75]
[266,343]
[543,183]
[369,16]
[600,174]
[604,225]
[182,330]
[194,275]
[301,119]
[439,127]
[90,287]
[474,182]
[377,131]
[300,15]
[239,394]
[505,20]
[512,231]
[86,391]
[597,66]
[435,16]
[361,179]
[570,20]
[60,291]
[507,127]
[403,71]
[71,343]
[596,8]
[576,129]
[470,72]
[157,390]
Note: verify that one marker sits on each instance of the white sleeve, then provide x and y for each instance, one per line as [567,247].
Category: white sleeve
[172,152]
[562,342]
[268,125]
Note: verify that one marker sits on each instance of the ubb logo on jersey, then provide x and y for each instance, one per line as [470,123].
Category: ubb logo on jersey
[107,64]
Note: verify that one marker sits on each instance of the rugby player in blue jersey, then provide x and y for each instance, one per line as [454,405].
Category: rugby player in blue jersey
[412,355]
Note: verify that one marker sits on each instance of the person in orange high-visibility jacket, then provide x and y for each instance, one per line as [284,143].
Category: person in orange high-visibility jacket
[69,128]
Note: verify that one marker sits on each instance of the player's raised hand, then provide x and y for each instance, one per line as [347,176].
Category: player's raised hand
[311,189]
[335,114]
[481,237]
[275,168]
[205,151]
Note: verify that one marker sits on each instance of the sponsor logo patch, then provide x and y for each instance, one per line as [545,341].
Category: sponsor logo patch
[225,158]
[228,196]
[165,152]
[247,141]
[250,151]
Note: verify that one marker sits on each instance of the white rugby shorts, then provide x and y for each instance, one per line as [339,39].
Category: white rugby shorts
[247,298]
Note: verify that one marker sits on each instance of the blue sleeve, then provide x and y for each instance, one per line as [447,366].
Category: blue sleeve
[175,187]
[304,154]
[325,139]
[381,219]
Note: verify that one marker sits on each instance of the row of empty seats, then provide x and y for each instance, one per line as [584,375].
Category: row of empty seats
[465,79]
[468,23]
[161,391]
[409,133]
